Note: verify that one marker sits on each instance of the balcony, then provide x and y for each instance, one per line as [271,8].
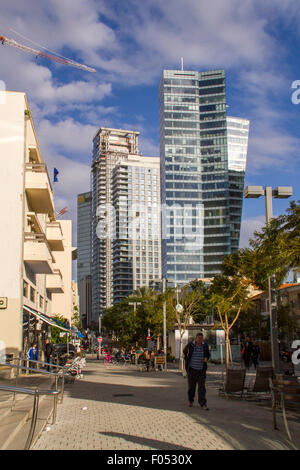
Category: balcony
[37,253]
[54,282]
[55,236]
[38,188]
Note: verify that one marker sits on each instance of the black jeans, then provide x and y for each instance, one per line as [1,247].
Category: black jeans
[197,377]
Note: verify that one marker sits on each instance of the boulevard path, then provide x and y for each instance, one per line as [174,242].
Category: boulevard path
[118,407]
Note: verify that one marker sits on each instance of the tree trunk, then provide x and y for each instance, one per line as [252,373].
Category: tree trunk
[227,342]
[180,354]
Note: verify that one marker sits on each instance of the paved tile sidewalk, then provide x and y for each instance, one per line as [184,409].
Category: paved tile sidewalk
[150,412]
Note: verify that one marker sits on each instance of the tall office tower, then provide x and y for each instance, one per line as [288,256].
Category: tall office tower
[195,174]
[126,251]
[237,137]
[84,260]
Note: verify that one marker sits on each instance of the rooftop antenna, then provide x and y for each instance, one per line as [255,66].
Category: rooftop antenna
[182,63]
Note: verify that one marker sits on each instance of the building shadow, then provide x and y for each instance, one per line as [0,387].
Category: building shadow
[240,424]
[153,443]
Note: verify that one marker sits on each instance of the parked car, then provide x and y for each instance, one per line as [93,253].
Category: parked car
[61,350]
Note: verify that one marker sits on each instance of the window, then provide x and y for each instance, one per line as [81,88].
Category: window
[32,294]
[25,289]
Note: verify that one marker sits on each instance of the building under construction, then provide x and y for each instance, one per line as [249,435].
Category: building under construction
[126,251]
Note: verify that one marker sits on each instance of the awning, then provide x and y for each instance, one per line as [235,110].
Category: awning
[74,331]
[53,322]
[44,318]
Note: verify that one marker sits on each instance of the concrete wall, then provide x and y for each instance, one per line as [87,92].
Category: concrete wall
[11,230]
[62,304]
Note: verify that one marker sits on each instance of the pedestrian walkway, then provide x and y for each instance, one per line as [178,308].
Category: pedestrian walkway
[120,408]
[15,416]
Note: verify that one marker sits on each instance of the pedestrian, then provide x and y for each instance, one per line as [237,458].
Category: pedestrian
[33,355]
[255,354]
[132,355]
[196,355]
[49,353]
[147,359]
[247,352]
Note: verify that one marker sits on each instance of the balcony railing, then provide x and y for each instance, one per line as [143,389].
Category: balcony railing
[37,253]
[38,188]
[55,236]
[54,282]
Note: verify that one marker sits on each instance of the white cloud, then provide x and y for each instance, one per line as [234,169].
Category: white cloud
[73,179]
[249,226]
[67,135]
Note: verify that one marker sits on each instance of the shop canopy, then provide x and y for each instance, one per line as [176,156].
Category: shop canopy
[46,319]
[53,322]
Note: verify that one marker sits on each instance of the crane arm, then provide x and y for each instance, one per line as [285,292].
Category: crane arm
[37,53]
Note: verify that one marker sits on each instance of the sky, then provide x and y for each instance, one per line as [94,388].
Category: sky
[129,43]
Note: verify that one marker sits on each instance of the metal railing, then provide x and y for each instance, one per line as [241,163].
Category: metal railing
[36,394]
[57,375]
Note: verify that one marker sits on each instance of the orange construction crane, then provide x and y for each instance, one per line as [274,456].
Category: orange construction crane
[37,53]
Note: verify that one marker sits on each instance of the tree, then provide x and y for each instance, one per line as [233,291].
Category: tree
[131,324]
[55,332]
[188,298]
[274,251]
[76,321]
[229,296]
[203,306]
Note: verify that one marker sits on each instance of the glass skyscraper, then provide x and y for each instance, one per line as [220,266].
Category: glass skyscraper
[84,260]
[84,235]
[237,137]
[197,228]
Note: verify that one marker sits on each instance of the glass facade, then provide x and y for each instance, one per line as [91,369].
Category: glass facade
[84,235]
[84,258]
[195,184]
[237,136]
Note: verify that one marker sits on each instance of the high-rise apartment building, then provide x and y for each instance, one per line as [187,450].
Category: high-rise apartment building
[126,250]
[195,177]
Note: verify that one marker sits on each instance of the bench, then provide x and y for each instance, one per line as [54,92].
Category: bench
[159,361]
[261,387]
[234,383]
[285,393]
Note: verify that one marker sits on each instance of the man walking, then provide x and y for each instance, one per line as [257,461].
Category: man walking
[33,355]
[196,356]
[247,352]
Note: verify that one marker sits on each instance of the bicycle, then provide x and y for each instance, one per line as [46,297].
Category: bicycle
[107,359]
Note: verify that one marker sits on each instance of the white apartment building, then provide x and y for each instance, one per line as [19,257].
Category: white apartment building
[35,248]
[126,225]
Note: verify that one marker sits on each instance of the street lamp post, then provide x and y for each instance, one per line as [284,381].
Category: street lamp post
[165,322]
[163,283]
[100,324]
[281,192]
[135,304]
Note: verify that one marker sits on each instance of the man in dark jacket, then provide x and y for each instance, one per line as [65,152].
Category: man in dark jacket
[49,353]
[196,356]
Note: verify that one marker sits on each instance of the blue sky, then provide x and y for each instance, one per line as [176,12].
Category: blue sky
[129,43]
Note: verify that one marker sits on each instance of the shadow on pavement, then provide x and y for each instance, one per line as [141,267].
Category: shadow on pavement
[153,443]
[243,425]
